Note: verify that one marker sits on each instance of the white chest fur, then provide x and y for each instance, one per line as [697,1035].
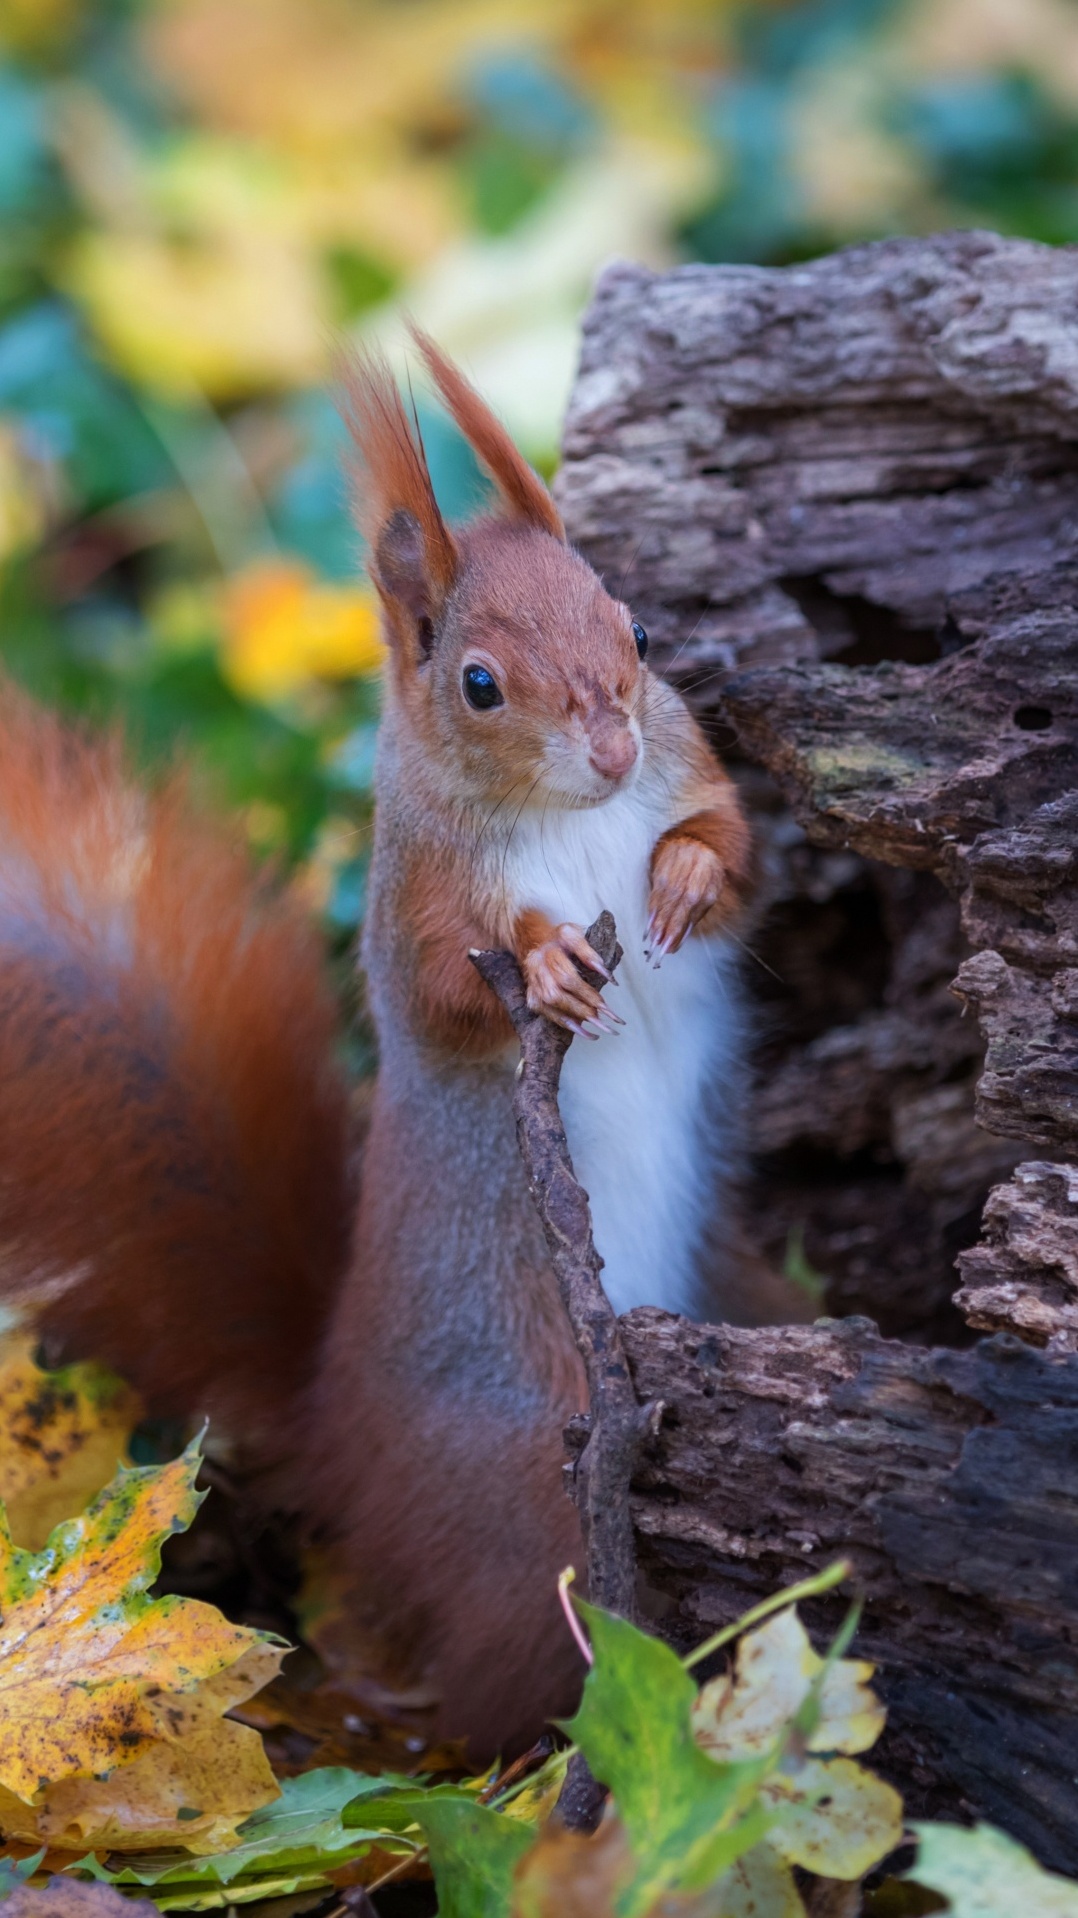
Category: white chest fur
[642,1110]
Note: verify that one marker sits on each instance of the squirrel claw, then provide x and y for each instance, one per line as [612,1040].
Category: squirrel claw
[556,988]
[607,1021]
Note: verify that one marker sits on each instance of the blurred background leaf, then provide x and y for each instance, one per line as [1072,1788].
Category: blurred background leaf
[200,198]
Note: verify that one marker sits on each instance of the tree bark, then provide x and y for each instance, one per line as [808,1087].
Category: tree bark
[843,498]
[950,1481]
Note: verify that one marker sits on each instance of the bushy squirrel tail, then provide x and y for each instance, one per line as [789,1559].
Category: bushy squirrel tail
[174,1163]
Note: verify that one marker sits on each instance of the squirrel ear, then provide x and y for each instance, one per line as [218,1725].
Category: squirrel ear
[401,573]
[414,560]
[521,489]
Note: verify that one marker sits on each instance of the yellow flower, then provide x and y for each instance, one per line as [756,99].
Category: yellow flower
[284,628]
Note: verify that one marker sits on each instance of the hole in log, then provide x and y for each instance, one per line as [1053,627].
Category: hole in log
[1033,719]
[854,631]
[869,1172]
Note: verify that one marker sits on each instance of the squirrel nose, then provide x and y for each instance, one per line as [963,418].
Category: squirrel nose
[612,749]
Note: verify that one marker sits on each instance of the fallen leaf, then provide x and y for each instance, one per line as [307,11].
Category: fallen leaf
[568,1875]
[62,1435]
[98,1680]
[307,1729]
[984,1874]
[738,1715]
[197,1783]
[832,1816]
[537,1798]
[474,1851]
[297,1843]
[687,1817]
[15,1871]
[759,1885]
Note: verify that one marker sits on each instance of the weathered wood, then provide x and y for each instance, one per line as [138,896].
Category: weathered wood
[859,478]
[843,497]
[1023,1277]
[605,1445]
[950,1479]
[608,1441]
[771,457]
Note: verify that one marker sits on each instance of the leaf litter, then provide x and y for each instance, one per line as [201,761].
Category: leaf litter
[126,1776]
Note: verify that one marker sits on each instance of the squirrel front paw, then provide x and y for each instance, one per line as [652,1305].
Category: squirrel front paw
[556,989]
[687,881]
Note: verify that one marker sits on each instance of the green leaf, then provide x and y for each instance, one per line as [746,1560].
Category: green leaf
[285,1847]
[687,1817]
[474,1852]
[397,1798]
[984,1874]
[15,1871]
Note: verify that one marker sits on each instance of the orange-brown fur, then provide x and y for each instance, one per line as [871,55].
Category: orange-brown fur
[523,493]
[172,1125]
[452,1005]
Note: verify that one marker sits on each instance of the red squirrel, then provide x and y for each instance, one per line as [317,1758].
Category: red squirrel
[175,1185]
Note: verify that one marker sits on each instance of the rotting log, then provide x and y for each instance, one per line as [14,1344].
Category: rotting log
[843,497]
[948,1478]
[1023,1277]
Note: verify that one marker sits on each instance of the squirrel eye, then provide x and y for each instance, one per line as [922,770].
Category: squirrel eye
[481,688]
[641,639]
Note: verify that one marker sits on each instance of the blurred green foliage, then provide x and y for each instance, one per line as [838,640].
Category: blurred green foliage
[196,196]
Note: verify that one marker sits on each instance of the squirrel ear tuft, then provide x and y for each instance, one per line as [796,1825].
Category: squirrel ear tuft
[414,560]
[521,489]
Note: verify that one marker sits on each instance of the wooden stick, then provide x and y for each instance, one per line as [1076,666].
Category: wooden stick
[617,1426]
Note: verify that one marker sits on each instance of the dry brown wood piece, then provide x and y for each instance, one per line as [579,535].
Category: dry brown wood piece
[1023,1277]
[617,1425]
[606,1445]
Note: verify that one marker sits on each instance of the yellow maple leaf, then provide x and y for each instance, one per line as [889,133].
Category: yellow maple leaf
[62,1435]
[194,1786]
[832,1817]
[740,1716]
[283,628]
[99,1683]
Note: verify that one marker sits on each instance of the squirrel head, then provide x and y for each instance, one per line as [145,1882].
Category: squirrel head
[517,672]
